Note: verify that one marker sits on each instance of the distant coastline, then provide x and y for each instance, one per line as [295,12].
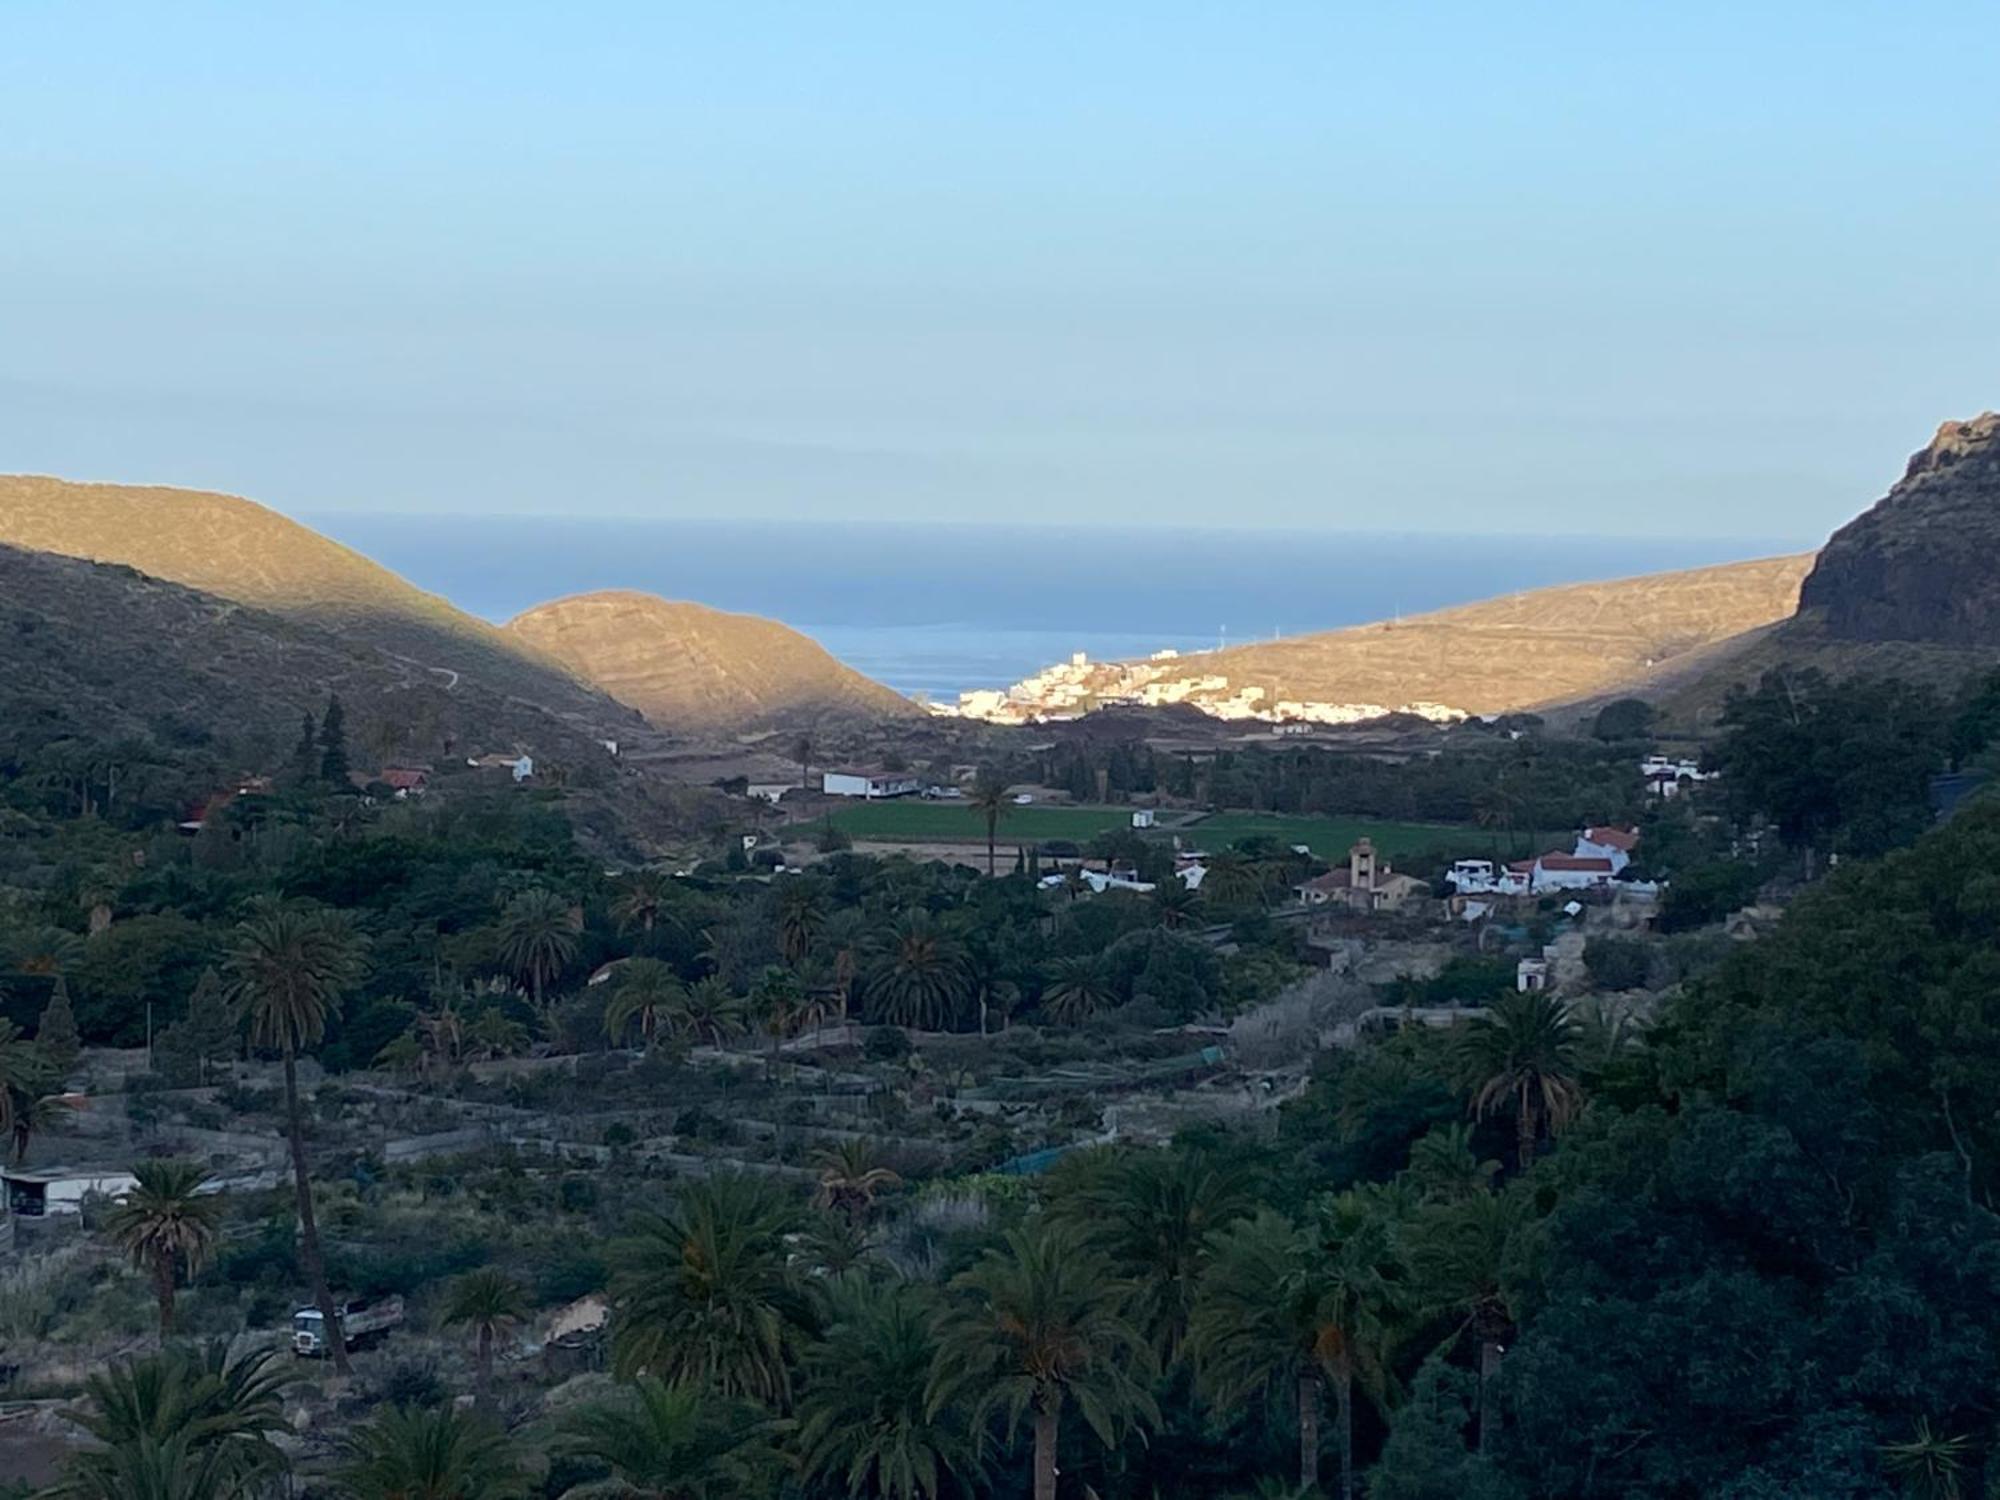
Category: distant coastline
[939,609]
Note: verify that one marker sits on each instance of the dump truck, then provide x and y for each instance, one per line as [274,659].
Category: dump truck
[361,1320]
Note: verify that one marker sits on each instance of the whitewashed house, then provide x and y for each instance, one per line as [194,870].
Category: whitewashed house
[871,783]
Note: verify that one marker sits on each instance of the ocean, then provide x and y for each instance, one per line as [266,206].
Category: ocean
[938,609]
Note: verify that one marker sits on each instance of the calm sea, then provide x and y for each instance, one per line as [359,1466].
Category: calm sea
[938,609]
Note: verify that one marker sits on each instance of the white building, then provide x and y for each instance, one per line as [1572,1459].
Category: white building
[871,783]
[60,1190]
[1143,818]
[521,766]
[1601,854]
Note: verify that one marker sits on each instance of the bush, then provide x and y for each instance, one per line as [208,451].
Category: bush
[410,1382]
[1707,893]
[1624,719]
[884,1044]
[1617,963]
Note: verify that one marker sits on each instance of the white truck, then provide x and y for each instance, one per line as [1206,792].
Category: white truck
[362,1319]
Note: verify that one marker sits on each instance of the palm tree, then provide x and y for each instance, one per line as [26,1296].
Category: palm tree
[1175,906]
[850,1177]
[1283,1307]
[538,933]
[1077,988]
[1930,1465]
[183,1424]
[801,915]
[1522,1053]
[642,899]
[34,1105]
[844,942]
[802,752]
[25,1079]
[489,1302]
[707,1292]
[496,1034]
[1444,1168]
[990,801]
[1606,1035]
[1151,1214]
[1459,1252]
[918,976]
[865,1421]
[714,1011]
[435,1453]
[672,1441]
[780,1003]
[20,1066]
[286,975]
[1035,1328]
[648,992]
[166,1223]
[47,952]
[1233,879]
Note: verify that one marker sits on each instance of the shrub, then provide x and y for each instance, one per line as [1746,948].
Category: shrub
[1616,963]
[885,1044]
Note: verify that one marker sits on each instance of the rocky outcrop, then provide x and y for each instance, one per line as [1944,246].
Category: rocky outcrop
[1923,563]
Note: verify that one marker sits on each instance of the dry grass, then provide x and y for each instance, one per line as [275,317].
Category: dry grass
[688,667]
[1526,650]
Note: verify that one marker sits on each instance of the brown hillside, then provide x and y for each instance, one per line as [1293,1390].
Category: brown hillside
[235,549]
[101,653]
[1525,650]
[687,667]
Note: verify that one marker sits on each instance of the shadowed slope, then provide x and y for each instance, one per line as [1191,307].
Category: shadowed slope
[235,549]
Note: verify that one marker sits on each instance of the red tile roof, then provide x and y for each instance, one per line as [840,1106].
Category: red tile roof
[1623,839]
[1579,864]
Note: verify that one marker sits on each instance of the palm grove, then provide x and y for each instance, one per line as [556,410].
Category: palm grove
[1746,1251]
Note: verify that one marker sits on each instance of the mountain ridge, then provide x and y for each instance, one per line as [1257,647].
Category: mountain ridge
[235,548]
[689,666]
[1526,650]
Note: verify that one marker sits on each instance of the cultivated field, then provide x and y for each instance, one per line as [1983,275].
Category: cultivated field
[1329,838]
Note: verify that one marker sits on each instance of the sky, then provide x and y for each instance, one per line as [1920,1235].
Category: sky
[1632,270]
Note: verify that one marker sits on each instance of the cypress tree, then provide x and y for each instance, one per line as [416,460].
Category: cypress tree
[305,757]
[55,1033]
[333,765]
[211,1028]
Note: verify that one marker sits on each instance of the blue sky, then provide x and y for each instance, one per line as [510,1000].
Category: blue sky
[1552,268]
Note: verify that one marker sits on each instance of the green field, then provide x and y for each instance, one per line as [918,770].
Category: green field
[1329,838]
[946,822]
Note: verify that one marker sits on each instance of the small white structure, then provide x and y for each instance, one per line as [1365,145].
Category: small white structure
[769,791]
[1531,975]
[60,1190]
[1567,872]
[869,782]
[521,766]
[1143,818]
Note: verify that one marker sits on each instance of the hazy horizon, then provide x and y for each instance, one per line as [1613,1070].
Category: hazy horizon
[941,607]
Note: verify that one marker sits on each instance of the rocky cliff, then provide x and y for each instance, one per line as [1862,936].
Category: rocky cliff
[1923,563]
